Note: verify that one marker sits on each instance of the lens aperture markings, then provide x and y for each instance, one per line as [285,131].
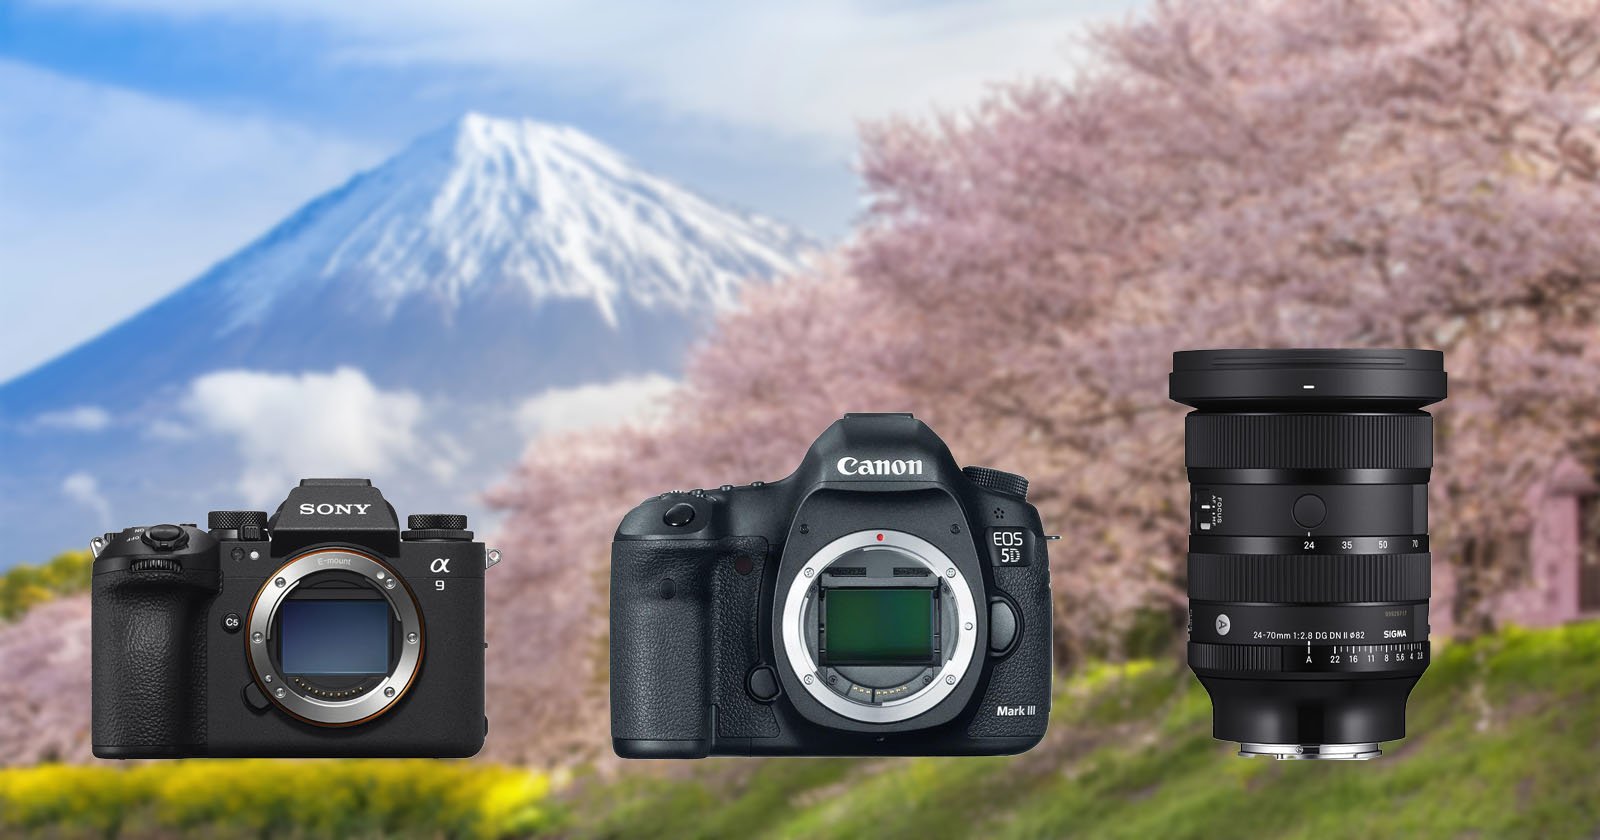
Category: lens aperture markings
[1348,658]
[1404,657]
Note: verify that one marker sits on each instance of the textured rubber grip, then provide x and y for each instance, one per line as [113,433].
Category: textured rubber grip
[684,618]
[1310,578]
[148,662]
[1308,441]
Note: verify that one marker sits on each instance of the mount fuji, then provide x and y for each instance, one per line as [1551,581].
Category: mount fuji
[412,324]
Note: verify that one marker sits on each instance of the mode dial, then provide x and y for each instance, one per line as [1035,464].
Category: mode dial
[233,520]
[998,481]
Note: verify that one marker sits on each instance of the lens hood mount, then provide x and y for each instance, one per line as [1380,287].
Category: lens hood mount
[1307,380]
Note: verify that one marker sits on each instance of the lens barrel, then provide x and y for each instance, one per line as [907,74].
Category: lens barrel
[1309,571]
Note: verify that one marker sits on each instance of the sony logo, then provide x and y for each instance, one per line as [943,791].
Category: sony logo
[880,466]
[325,509]
[1016,711]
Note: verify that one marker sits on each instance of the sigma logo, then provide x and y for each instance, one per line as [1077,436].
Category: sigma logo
[325,509]
[879,466]
[1016,711]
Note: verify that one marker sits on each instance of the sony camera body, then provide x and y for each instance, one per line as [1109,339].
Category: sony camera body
[878,601]
[324,631]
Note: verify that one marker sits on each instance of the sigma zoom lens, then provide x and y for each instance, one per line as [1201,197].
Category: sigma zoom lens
[1308,542]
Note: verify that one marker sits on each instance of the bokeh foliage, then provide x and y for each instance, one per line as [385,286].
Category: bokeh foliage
[280,799]
[26,586]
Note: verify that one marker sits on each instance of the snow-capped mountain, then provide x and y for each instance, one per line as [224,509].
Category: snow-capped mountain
[483,266]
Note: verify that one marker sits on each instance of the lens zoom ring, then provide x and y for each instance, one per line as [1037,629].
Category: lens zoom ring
[1310,578]
[1309,441]
[1235,657]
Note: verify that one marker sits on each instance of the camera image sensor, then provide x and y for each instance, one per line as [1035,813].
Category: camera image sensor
[334,638]
[878,627]
[1308,569]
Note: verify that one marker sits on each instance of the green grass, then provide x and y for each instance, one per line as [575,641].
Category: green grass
[1505,743]
[25,586]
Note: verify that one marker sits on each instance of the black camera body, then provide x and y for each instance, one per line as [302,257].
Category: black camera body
[324,631]
[878,601]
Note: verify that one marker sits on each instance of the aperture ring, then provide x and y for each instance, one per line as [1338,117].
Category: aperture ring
[1310,578]
[1308,441]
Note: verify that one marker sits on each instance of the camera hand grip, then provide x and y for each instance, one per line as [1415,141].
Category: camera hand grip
[149,662]
[660,647]
[667,644]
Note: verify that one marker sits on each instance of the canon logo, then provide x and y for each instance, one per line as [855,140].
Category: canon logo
[879,466]
[325,509]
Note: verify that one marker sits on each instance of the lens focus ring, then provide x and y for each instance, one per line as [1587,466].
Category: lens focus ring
[1309,441]
[1309,578]
[1236,657]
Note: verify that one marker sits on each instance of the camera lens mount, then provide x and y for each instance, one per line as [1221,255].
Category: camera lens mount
[923,583]
[375,583]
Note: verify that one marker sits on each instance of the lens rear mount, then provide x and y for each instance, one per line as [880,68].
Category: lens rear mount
[1308,752]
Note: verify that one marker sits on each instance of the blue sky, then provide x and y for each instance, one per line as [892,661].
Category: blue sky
[143,140]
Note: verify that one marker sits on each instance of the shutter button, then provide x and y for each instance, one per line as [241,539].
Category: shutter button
[679,515]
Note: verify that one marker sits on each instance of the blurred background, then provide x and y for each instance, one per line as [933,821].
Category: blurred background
[537,261]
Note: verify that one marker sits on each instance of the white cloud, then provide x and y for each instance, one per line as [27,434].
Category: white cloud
[110,198]
[808,69]
[82,488]
[587,406]
[83,418]
[291,426]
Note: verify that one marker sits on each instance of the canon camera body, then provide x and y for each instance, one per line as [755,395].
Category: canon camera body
[880,600]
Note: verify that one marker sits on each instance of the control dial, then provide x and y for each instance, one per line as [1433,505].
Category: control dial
[436,521]
[998,481]
[436,526]
[233,520]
